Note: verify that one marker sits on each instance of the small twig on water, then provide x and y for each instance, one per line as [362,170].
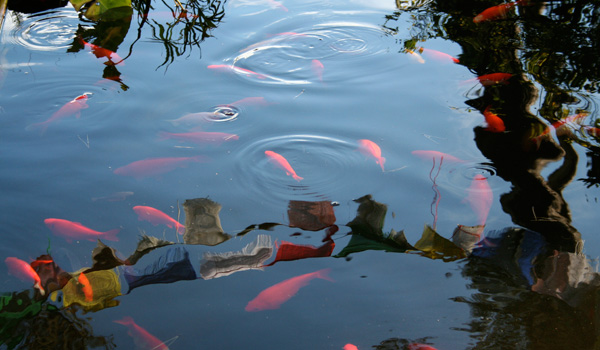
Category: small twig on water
[301,92]
[86,142]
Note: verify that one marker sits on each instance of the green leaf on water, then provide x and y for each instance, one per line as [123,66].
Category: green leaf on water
[434,246]
[97,8]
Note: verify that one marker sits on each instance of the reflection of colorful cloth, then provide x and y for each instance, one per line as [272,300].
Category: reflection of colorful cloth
[174,266]
[104,284]
[513,245]
[252,256]
[311,216]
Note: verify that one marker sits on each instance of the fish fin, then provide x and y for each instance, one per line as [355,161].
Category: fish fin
[324,274]
[111,235]
[297,178]
[127,320]
[38,126]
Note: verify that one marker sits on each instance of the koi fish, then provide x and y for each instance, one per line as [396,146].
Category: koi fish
[74,230]
[234,69]
[274,296]
[317,68]
[350,347]
[592,131]
[289,251]
[497,12]
[559,126]
[70,108]
[86,287]
[435,154]
[281,162]
[415,56]
[480,198]
[371,149]
[142,338]
[494,78]
[195,118]
[199,137]
[100,52]
[24,272]
[418,346]
[155,166]
[438,55]
[495,123]
[155,217]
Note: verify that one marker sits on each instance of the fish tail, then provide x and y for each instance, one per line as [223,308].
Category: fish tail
[297,178]
[324,274]
[126,321]
[111,235]
[38,126]
[38,285]
[381,163]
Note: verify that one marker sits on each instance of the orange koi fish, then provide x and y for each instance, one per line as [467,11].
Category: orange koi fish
[592,131]
[317,68]
[435,154]
[199,137]
[350,347]
[142,338]
[102,52]
[371,149]
[74,230]
[155,166]
[494,78]
[238,70]
[415,56]
[289,251]
[274,296]
[480,198]
[497,12]
[494,122]
[24,272]
[281,162]
[70,108]
[86,287]
[155,217]
[438,55]
[418,346]
[559,126]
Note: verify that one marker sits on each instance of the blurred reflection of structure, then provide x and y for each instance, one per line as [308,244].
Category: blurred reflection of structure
[202,222]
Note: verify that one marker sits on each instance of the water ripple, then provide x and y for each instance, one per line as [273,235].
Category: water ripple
[45,31]
[327,165]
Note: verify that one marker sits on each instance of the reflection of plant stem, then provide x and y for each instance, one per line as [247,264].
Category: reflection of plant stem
[438,196]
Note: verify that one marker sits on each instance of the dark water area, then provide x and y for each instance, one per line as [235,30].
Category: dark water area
[300,175]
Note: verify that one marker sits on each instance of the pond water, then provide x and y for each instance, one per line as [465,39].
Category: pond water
[347,172]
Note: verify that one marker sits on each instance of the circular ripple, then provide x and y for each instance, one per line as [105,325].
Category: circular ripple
[223,114]
[46,31]
[289,58]
[460,177]
[326,165]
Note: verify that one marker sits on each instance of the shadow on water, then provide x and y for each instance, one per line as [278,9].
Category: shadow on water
[531,282]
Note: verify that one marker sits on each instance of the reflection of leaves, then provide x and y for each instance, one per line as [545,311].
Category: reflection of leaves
[434,246]
[95,9]
[396,242]
[266,226]
[145,245]
[311,216]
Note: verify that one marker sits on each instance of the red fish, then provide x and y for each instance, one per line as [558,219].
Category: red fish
[350,347]
[440,56]
[24,272]
[371,149]
[72,107]
[289,251]
[435,154]
[155,166]
[592,131]
[238,70]
[494,123]
[200,137]
[480,198]
[559,126]
[497,12]
[281,162]
[155,217]
[317,68]
[494,78]
[418,346]
[86,287]
[99,52]
[274,296]
[74,230]
[142,338]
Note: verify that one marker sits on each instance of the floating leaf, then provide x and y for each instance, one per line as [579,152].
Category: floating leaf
[434,246]
[97,9]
